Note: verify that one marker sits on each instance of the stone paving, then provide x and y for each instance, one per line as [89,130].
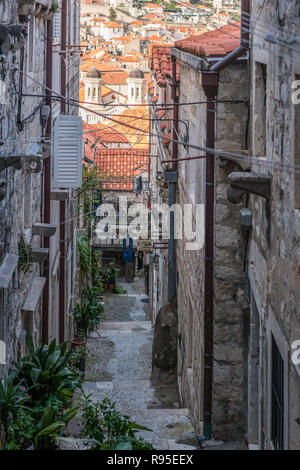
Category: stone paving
[118,366]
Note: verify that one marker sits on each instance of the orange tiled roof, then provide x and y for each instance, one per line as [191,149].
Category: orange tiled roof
[88,64]
[212,43]
[115,78]
[118,167]
[113,24]
[153,5]
[107,134]
[136,130]
[160,62]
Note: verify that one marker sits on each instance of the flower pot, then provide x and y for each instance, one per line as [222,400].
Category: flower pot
[112,286]
[78,342]
[105,286]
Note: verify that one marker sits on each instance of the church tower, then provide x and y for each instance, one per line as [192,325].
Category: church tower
[136,87]
[93,87]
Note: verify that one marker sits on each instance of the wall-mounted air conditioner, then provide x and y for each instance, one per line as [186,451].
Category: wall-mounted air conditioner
[67,152]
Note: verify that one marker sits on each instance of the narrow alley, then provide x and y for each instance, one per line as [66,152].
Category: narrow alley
[118,366]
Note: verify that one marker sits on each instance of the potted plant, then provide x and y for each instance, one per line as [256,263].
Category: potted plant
[78,342]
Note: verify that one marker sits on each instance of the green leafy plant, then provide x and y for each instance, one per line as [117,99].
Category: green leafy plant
[77,357]
[54,7]
[118,290]
[25,256]
[48,428]
[13,405]
[84,253]
[45,374]
[112,274]
[89,313]
[109,428]
[91,191]
[112,14]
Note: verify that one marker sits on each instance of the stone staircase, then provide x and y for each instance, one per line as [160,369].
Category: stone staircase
[118,366]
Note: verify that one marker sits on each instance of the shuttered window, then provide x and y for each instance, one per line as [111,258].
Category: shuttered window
[67,152]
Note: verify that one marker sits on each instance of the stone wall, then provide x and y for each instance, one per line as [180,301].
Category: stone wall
[228,368]
[229,408]
[274,263]
[190,263]
[15,204]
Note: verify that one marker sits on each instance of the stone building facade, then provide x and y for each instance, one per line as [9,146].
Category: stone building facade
[273,253]
[253,95]
[231,115]
[24,158]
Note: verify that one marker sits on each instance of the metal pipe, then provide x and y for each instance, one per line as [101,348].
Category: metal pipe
[210,87]
[62,205]
[47,189]
[184,159]
[172,191]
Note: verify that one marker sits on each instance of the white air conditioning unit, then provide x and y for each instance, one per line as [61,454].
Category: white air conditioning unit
[67,152]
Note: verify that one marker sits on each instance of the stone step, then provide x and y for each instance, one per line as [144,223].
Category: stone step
[125,325]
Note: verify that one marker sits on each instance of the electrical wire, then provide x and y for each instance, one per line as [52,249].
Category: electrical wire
[161,136]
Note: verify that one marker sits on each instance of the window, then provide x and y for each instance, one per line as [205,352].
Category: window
[31,45]
[137,92]
[277,397]
[297,151]
[89,92]
[260,110]
[132,92]
[94,93]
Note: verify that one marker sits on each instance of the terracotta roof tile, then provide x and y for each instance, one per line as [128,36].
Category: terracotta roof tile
[212,43]
[160,62]
[118,167]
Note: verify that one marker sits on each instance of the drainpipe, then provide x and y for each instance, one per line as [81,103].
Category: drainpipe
[210,81]
[172,190]
[210,87]
[62,205]
[47,212]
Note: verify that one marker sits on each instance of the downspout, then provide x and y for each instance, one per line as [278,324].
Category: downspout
[47,207]
[62,205]
[210,87]
[172,190]
[210,81]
